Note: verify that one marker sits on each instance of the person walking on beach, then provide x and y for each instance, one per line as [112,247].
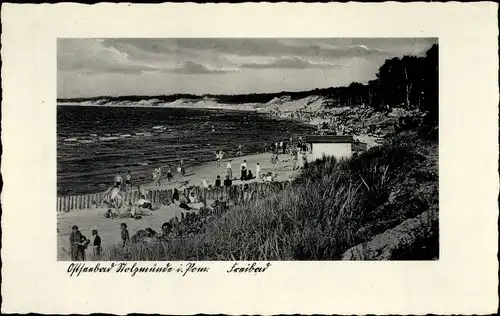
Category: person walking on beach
[124,234]
[229,170]
[257,171]
[118,180]
[128,181]
[158,176]
[217,158]
[96,243]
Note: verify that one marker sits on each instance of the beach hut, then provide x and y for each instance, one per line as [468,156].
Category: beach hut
[333,145]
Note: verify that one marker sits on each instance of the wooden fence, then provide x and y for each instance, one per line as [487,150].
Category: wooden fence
[164,196]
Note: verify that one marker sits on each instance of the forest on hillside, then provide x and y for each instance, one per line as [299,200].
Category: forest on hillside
[409,82]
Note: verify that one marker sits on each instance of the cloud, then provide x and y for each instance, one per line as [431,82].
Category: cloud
[221,55]
[91,56]
[194,68]
[147,49]
[290,63]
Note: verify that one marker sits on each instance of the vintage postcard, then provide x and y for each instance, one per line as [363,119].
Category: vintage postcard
[155,156]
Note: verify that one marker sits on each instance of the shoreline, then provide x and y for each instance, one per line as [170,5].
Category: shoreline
[209,170]
[230,108]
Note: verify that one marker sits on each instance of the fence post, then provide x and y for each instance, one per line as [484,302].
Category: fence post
[169,195]
[160,196]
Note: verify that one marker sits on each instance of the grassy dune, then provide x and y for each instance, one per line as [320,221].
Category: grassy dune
[330,207]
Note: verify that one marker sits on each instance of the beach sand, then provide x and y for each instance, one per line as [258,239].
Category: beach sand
[209,171]
[109,229]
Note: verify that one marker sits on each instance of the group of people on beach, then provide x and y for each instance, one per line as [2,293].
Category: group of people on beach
[113,196]
[128,181]
[79,244]
[298,150]
[157,173]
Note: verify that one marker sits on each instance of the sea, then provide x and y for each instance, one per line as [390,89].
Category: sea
[95,143]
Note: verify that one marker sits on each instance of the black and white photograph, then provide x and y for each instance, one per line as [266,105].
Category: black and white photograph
[269,149]
[250,159]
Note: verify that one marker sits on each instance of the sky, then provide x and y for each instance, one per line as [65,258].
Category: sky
[146,66]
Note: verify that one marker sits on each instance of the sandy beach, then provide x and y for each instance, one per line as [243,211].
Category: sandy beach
[109,229]
[210,171]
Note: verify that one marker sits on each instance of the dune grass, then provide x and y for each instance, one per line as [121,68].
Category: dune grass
[331,206]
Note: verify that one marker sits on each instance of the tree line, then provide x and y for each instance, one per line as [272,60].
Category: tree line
[409,82]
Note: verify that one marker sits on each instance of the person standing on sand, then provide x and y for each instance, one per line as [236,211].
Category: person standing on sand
[228,182]
[155,174]
[301,160]
[217,158]
[124,234]
[295,158]
[128,181]
[77,248]
[179,170]
[218,182]
[239,153]
[257,171]
[118,180]
[243,170]
[304,160]
[97,243]
[229,170]
[142,193]
[204,182]
[169,175]
[159,176]
[183,171]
